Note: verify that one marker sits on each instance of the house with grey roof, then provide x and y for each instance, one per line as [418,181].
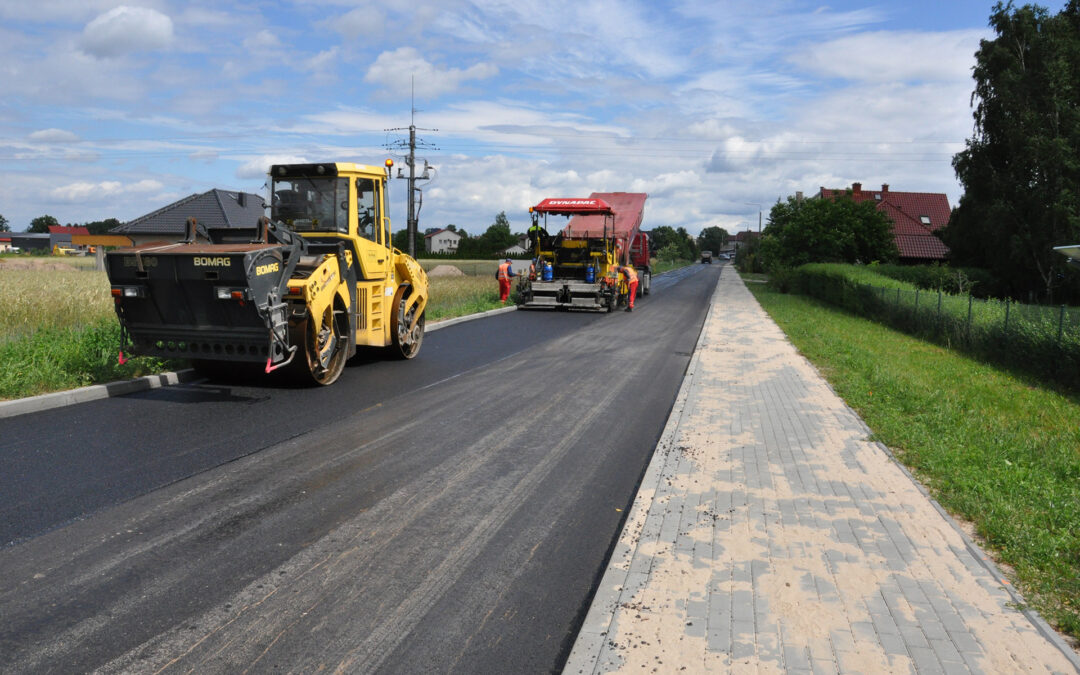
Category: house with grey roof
[213,209]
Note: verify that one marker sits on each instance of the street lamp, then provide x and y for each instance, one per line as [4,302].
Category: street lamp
[758,214]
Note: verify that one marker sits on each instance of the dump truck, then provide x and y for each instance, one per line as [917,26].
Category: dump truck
[301,290]
[706,257]
[575,266]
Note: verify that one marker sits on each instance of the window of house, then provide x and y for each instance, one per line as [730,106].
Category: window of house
[925,220]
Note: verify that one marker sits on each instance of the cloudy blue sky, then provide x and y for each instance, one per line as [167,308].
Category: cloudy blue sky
[113,109]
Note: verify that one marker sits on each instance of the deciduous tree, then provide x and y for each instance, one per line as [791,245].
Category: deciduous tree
[713,239]
[41,224]
[826,230]
[1021,168]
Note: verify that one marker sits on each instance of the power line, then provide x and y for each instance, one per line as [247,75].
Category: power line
[410,160]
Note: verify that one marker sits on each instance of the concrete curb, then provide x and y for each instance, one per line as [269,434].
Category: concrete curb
[60,399]
[445,323]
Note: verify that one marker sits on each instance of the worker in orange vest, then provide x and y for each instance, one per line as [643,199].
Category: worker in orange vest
[632,283]
[504,274]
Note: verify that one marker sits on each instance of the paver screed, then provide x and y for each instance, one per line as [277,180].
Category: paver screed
[771,535]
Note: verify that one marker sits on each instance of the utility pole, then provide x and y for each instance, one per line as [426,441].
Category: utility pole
[414,204]
[758,214]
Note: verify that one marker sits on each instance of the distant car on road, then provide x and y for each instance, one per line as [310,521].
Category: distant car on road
[724,256]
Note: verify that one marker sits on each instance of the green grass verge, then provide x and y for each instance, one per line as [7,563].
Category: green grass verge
[993,448]
[76,342]
[55,359]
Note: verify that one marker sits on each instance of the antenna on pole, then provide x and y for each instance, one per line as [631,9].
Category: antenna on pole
[410,160]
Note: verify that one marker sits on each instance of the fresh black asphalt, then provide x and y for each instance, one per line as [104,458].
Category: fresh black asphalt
[449,513]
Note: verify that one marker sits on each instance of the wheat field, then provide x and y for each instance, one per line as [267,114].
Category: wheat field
[58,295]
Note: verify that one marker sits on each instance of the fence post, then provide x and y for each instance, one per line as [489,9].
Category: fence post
[1061,322]
[970,298]
[1006,317]
[939,303]
[916,301]
[898,298]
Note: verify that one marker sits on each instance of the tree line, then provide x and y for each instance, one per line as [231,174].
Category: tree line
[41,225]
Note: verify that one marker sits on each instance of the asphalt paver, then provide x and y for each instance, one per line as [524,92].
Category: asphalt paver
[772,534]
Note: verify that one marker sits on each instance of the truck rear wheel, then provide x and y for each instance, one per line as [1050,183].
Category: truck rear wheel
[405,343]
[322,355]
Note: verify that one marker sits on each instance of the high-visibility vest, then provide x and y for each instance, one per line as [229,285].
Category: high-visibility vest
[631,274]
[504,271]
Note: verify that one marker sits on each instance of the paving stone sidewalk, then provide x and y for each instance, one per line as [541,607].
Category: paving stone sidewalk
[770,535]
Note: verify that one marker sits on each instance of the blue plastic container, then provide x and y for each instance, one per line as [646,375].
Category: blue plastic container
[590,275]
[549,273]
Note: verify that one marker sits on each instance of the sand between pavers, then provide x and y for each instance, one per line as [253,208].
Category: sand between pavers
[769,535]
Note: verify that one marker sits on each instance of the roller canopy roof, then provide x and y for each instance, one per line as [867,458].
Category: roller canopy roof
[569,207]
[629,208]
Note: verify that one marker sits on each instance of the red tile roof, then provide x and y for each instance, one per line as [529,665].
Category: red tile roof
[65,229]
[440,231]
[915,216]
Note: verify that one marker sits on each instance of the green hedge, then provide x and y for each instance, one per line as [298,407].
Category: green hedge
[1041,340]
[978,282]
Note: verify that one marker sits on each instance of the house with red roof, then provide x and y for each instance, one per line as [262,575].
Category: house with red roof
[738,240]
[916,218]
[442,240]
[60,235]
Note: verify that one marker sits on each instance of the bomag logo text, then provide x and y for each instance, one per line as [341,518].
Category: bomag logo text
[266,269]
[130,261]
[206,261]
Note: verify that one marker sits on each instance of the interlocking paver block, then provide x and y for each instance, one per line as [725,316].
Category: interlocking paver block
[770,534]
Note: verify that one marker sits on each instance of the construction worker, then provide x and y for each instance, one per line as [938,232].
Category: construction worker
[632,283]
[535,232]
[504,274]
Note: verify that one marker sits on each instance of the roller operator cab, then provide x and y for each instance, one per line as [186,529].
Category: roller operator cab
[302,290]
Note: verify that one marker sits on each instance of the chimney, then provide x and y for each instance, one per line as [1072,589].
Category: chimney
[241,199]
[856,188]
[884,189]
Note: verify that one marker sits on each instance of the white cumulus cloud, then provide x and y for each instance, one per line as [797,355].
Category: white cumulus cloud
[258,166]
[85,191]
[396,71]
[895,56]
[123,30]
[54,136]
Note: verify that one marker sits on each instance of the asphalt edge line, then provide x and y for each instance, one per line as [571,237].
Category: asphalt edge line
[588,645]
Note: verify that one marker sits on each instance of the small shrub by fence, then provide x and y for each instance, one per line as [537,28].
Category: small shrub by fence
[1042,340]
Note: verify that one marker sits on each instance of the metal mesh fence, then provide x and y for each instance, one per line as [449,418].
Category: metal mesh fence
[1036,338]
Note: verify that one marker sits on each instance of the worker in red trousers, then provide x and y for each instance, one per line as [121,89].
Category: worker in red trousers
[504,274]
